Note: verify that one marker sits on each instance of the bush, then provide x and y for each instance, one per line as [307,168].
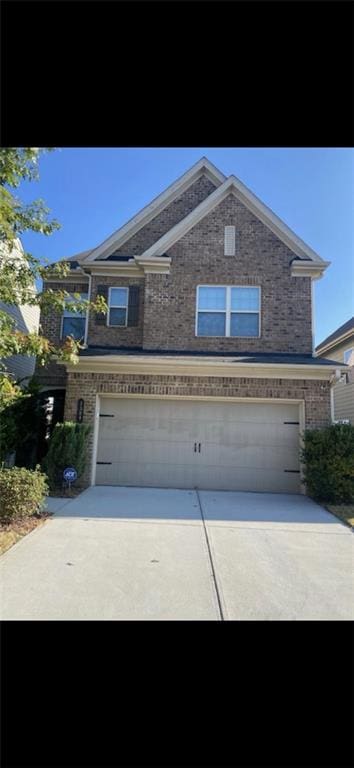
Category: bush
[67,448]
[22,417]
[22,492]
[328,456]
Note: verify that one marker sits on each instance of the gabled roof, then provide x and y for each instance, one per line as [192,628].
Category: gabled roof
[335,337]
[78,256]
[121,235]
[232,185]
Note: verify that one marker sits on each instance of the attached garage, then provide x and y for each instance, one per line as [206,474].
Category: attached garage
[177,443]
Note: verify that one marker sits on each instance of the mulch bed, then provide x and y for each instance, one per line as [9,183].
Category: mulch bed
[13,530]
[65,493]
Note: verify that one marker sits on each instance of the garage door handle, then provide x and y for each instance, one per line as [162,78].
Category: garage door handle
[195,447]
[199,447]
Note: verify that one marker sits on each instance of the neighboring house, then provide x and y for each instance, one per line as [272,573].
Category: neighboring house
[202,374]
[21,367]
[339,346]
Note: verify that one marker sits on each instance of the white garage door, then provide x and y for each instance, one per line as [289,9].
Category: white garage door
[188,444]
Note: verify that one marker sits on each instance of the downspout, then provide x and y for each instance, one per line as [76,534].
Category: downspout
[313,317]
[332,382]
[88,310]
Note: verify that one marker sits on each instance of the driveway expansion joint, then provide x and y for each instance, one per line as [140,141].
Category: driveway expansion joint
[222,617]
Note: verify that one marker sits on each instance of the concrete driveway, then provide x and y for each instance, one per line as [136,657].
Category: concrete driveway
[145,553]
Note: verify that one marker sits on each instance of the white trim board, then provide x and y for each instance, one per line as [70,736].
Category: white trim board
[121,235]
[201,367]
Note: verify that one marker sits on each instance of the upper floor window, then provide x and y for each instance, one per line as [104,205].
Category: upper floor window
[348,356]
[228,311]
[117,306]
[73,323]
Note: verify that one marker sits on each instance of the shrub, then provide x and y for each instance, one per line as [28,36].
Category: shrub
[22,416]
[67,448]
[328,456]
[22,492]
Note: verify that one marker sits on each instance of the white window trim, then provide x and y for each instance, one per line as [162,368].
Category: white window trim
[117,306]
[227,311]
[84,316]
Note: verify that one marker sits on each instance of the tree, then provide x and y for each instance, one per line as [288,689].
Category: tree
[18,275]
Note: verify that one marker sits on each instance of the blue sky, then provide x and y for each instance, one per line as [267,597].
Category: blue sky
[93,191]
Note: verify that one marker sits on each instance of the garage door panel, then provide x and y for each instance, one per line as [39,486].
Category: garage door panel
[243,446]
[147,474]
[249,456]
[254,433]
[256,480]
[128,450]
[148,427]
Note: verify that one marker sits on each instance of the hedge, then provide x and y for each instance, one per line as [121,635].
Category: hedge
[67,448]
[22,492]
[328,456]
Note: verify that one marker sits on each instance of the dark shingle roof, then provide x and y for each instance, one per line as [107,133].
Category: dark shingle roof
[78,256]
[348,326]
[238,357]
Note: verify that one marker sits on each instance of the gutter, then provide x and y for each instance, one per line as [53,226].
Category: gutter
[203,367]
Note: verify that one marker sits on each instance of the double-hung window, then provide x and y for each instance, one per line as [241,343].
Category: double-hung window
[73,323]
[117,306]
[228,311]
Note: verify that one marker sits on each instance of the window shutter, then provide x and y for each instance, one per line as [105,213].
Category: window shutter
[229,242]
[100,318]
[133,305]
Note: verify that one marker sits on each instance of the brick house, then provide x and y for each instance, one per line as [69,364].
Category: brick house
[202,374]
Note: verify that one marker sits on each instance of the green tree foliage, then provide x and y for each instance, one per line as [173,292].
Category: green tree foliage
[67,448]
[22,492]
[22,416]
[18,275]
[328,456]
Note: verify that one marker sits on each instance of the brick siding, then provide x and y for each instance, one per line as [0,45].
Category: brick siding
[116,336]
[166,219]
[50,321]
[198,258]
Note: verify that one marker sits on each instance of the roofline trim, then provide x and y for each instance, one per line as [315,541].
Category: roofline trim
[338,340]
[233,185]
[119,237]
[202,367]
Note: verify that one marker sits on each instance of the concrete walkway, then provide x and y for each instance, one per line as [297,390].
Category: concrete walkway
[157,554]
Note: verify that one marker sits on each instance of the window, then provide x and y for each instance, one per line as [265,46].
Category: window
[228,311]
[348,356]
[118,306]
[73,323]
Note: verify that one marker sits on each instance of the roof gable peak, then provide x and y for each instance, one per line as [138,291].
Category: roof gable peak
[121,235]
[233,185]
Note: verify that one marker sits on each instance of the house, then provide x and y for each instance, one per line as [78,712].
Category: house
[26,317]
[203,372]
[339,346]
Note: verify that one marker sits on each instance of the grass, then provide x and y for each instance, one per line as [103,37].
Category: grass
[345,512]
[14,530]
